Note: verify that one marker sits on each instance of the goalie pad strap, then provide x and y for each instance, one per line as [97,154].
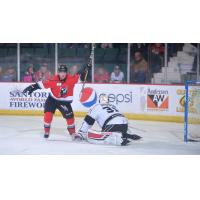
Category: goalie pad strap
[89,120]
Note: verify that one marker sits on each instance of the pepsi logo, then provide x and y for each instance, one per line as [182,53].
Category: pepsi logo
[88,97]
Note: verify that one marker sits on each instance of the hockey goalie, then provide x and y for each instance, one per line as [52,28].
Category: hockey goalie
[114,125]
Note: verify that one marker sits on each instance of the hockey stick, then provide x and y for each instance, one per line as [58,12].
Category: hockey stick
[91,58]
[138,129]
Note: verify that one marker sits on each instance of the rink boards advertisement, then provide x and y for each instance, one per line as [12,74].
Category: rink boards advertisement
[161,100]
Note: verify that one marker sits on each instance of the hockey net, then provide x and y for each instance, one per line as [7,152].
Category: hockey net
[192,111]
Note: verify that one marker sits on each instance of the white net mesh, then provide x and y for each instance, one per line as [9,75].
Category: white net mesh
[194,111]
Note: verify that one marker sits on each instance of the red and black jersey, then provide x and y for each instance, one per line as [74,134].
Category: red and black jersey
[56,85]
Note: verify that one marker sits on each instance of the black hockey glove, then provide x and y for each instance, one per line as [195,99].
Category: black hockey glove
[31,88]
[85,70]
[89,64]
[63,92]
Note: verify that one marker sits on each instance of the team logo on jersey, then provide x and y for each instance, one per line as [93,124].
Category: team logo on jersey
[157,99]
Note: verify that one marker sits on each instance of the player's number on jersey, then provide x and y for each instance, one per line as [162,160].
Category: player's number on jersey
[110,110]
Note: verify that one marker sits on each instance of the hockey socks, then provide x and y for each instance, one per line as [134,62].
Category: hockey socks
[71,126]
[48,116]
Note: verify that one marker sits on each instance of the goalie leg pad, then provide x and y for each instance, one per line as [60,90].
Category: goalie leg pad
[106,138]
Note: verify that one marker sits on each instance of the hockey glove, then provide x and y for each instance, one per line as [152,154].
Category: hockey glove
[89,64]
[31,88]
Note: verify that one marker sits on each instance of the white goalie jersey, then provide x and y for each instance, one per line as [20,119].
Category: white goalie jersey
[114,125]
[102,114]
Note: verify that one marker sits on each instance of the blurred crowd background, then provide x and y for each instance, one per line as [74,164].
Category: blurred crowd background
[155,63]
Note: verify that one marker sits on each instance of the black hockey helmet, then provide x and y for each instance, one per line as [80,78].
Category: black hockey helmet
[62,68]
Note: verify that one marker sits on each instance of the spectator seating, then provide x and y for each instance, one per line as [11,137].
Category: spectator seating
[25,45]
[110,66]
[99,54]
[3,52]
[42,52]
[38,45]
[29,51]
[70,52]
[12,52]
[179,67]
[83,52]
[110,54]
[122,56]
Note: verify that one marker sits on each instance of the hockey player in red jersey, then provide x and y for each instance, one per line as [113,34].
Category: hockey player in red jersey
[60,97]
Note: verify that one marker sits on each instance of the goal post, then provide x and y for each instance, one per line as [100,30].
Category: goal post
[192,111]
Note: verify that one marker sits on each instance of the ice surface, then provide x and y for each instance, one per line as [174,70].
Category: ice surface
[24,135]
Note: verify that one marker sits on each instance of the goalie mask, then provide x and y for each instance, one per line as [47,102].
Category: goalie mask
[103,99]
